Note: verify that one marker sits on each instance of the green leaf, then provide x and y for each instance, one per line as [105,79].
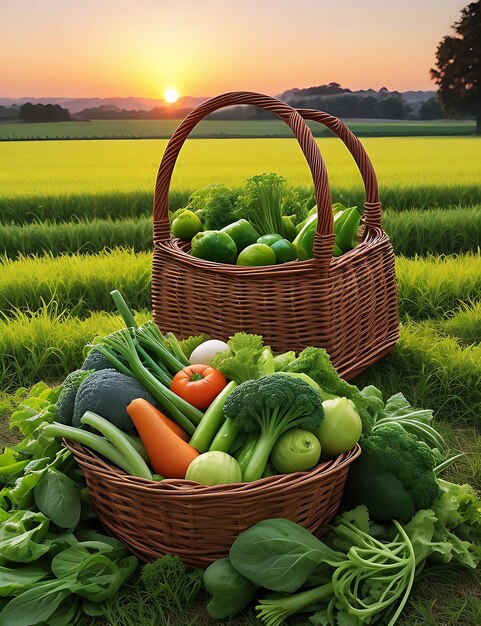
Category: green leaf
[14,581]
[35,605]
[58,497]
[279,555]
[231,592]
[21,536]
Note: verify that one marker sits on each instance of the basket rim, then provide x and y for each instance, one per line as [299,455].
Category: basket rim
[188,489]
[179,248]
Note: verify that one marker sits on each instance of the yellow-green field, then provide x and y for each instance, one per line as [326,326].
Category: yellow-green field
[74,167]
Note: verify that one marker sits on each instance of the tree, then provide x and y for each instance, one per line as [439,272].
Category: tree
[431,110]
[43,113]
[392,108]
[458,67]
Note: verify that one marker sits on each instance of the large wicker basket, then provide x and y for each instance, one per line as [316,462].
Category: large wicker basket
[347,304]
[200,523]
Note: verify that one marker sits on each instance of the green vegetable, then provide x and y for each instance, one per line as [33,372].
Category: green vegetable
[92,441]
[304,240]
[346,224]
[226,436]
[214,245]
[245,452]
[214,468]
[16,580]
[307,379]
[397,410]
[296,450]
[279,555]
[167,583]
[186,224]
[394,476]
[217,203]
[58,498]
[151,339]
[95,361]
[211,422]
[288,228]
[256,254]
[281,361]
[242,232]
[66,399]
[191,343]
[244,361]
[271,405]
[341,427]
[109,393]
[22,536]
[315,362]
[231,592]
[121,344]
[269,239]
[118,439]
[284,250]
[264,200]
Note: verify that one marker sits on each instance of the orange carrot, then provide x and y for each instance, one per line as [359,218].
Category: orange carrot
[178,430]
[169,455]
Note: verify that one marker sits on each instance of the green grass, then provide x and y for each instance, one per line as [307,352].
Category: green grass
[141,129]
[428,287]
[448,165]
[465,323]
[458,229]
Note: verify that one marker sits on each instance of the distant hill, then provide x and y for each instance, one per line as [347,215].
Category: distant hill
[75,105]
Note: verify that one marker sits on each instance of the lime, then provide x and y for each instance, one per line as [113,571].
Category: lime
[257,254]
[186,225]
[213,245]
[269,239]
[284,250]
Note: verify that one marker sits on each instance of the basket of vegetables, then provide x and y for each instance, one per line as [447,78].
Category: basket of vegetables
[263,263]
[186,444]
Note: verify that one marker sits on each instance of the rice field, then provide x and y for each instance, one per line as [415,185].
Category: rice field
[75,223]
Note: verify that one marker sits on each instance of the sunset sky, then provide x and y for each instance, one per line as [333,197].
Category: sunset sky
[108,48]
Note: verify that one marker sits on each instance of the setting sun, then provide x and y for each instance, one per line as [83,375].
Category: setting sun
[171,95]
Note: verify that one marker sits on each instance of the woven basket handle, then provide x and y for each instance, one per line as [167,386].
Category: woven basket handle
[324,239]
[372,205]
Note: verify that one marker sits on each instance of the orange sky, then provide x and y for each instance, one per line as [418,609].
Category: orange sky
[109,48]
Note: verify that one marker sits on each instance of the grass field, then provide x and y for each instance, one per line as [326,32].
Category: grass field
[42,168]
[66,201]
[161,129]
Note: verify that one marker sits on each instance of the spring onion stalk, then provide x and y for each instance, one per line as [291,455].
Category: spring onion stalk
[123,309]
[136,442]
[118,439]
[90,440]
[176,349]
[422,430]
[150,338]
[122,343]
[245,453]
[156,368]
[442,466]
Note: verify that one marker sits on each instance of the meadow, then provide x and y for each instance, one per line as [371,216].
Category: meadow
[75,223]
[161,129]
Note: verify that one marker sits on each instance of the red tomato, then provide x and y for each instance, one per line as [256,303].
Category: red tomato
[198,384]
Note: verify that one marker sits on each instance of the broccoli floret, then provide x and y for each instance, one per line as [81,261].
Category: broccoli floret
[66,399]
[271,405]
[394,476]
[108,393]
[96,361]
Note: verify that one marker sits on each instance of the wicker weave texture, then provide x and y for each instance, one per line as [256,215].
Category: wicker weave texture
[200,523]
[347,304]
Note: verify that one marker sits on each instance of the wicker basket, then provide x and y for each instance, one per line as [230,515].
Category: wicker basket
[200,523]
[347,304]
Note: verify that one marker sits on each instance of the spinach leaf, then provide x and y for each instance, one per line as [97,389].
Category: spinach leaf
[14,581]
[58,497]
[279,555]
[35,605]
[21,536]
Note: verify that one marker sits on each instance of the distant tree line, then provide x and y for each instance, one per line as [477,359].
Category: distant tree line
[43,113]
